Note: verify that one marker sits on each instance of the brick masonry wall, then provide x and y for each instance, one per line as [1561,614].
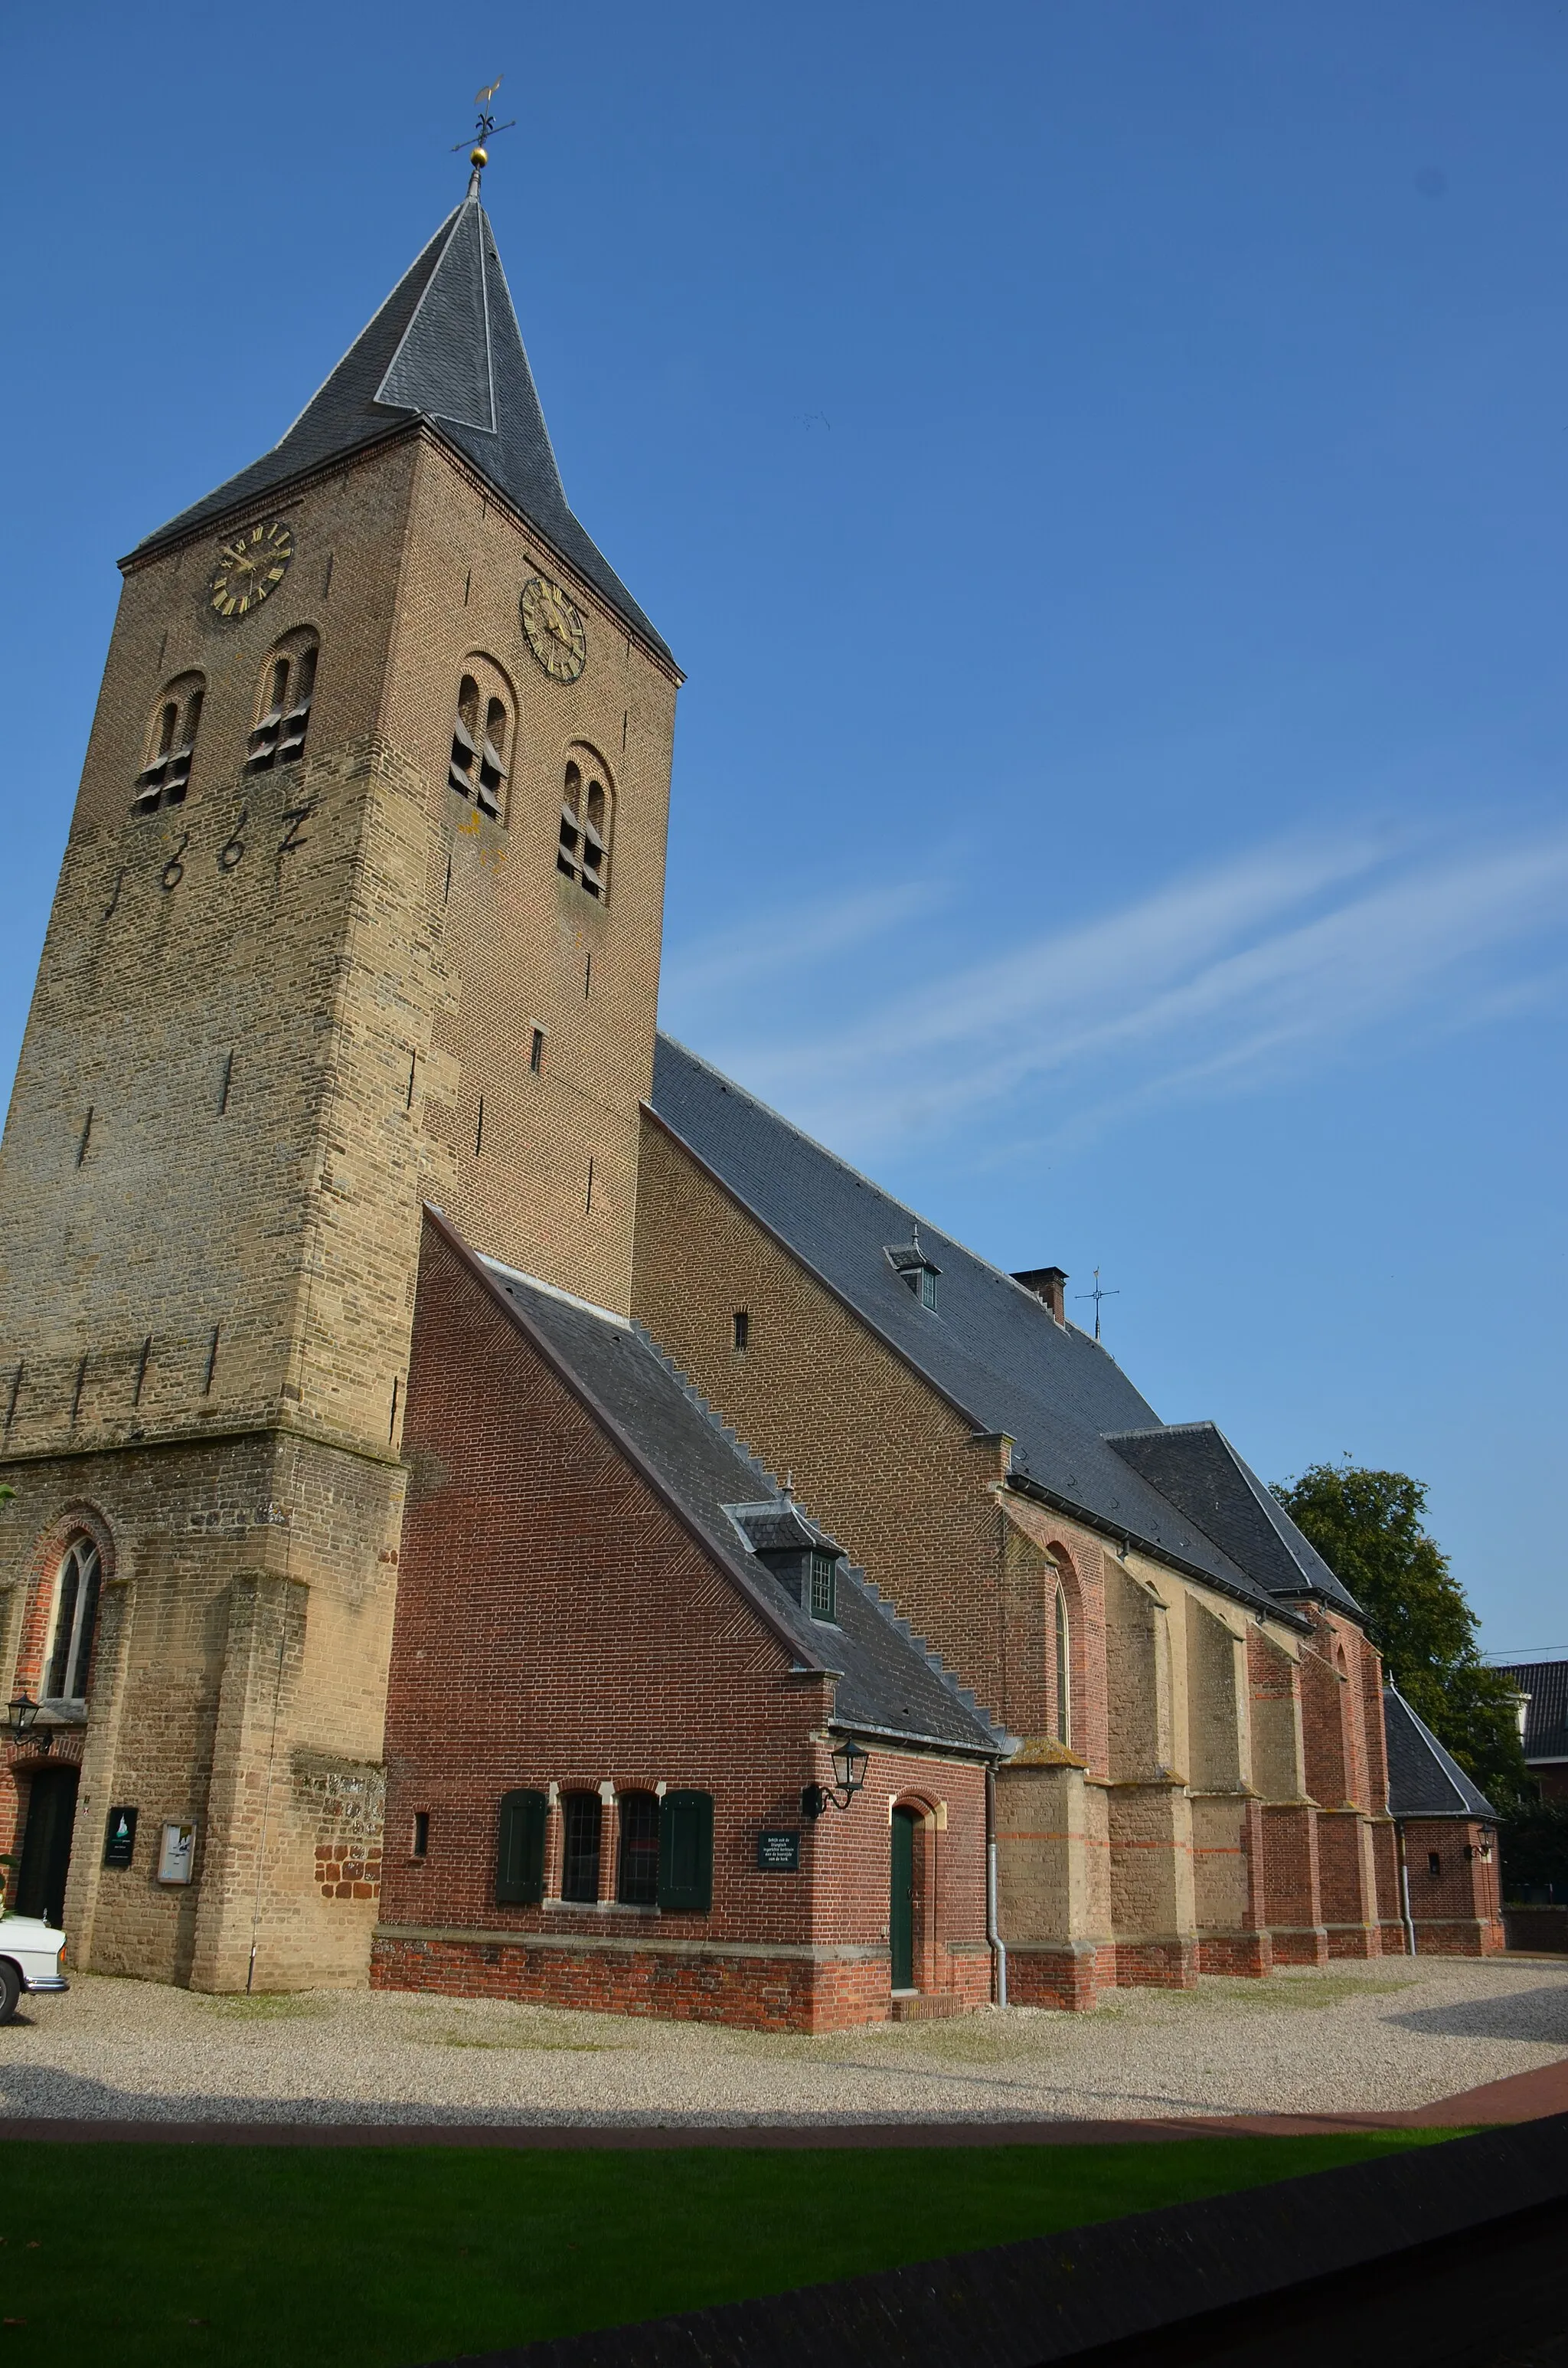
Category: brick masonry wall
[557,1626]
[1457,1911]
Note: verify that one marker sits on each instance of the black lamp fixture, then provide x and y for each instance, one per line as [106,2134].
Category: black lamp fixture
[850,1760]
[20,1726]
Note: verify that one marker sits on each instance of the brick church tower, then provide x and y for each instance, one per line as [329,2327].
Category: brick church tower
[360,906]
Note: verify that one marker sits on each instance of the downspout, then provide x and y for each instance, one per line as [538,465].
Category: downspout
[1404,1885]
[998,1950]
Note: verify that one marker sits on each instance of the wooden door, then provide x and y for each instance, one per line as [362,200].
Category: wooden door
[901,1917]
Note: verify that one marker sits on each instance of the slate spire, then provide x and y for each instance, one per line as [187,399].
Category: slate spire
[445,347]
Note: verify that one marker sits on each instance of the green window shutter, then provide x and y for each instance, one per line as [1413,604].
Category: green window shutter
[519,1854]
[686,1851]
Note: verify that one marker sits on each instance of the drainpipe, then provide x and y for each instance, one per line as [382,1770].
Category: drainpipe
[998,1950]
[1405,1884]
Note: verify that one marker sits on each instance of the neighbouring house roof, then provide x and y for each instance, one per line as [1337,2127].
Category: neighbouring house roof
[1546,1713]
[1424,1781]
[991,1347]
[443,347]
[888,1683]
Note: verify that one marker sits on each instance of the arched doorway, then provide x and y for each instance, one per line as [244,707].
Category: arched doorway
[46,1844]
[900,1906]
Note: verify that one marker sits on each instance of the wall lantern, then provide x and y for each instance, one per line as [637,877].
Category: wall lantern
[19,1725]
[1486,1835]
[849,1763]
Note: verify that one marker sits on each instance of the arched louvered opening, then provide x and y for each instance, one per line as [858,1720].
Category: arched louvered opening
[170,746]
[287,692]
[586,805]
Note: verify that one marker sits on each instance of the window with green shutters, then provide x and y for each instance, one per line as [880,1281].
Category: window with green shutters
[685,1852]
[519,1851]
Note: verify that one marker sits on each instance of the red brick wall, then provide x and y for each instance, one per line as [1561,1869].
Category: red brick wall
[1457,1910]
[557,1625]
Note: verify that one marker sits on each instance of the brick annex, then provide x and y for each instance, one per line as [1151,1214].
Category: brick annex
[496,1508]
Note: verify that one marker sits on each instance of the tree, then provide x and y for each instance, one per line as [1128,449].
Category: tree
[1368,1527]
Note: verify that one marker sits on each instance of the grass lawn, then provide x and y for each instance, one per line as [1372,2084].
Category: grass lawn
[383,2257]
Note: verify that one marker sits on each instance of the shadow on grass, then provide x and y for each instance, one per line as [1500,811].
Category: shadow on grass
[300,2256]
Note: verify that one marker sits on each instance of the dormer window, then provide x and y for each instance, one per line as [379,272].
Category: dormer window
[482,738]
[915,1267]
[289,687]
[801,1556]
[171,743]
[824,1584]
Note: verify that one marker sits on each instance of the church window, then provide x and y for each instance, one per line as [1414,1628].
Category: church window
[1063,1671]
[637,1874]
[76,1617]
[171,744]
[536,1052]
[741,1321]
[1434,1864]
[581,1822]
[824,1584]
[288,690]
[583,849]
[420,1846]
[482,731]
[927,1286]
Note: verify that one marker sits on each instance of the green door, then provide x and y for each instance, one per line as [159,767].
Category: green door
[901,1917]
[45,1845]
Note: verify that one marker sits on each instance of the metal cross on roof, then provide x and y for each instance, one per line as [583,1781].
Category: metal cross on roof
[1097,1295]
[486,128]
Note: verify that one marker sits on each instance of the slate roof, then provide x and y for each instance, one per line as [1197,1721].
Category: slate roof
[445,347]
[1195,1465]
[1546,1715]
[990,1347]
[1424,1781]
[889,1682]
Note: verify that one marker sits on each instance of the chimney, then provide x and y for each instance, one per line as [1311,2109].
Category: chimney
[1049,1284]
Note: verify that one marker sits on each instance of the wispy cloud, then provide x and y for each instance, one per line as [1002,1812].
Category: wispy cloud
[733,957]
[1215,983]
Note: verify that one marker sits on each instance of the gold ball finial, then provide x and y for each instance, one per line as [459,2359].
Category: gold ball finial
[479,159]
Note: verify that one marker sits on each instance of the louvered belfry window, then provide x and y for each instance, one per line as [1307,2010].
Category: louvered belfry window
[482,732]
[171,744]
[582,851]
[289,691]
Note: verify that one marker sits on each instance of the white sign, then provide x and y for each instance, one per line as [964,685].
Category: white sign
[175,1856]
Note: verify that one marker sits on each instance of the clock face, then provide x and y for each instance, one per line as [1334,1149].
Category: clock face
[250,569]
[556,630]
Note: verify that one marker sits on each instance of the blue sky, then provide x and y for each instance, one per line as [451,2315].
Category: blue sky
[1102,467]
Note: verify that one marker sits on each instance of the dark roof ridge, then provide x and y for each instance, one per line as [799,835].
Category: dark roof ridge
[852,1570]
[1474,1802]
[1250,1591]
[585,1397]
[847,1167]
[1290,1537]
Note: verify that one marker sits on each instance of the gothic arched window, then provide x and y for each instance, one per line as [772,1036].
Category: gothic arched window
[171,743]
[75,1615]
[587,814]
[288,687]
[481,733]
[1063,1669]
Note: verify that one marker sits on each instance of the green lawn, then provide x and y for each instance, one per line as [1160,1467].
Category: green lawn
[382,2257]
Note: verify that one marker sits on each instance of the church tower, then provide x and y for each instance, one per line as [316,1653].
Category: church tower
[360,906]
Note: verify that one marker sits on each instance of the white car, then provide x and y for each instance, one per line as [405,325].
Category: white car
[31,1953]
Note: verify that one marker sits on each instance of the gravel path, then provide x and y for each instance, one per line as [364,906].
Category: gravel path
[1362,2038]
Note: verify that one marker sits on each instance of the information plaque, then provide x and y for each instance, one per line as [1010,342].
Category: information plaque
[178,1852]
[778,1852]
[120,1837]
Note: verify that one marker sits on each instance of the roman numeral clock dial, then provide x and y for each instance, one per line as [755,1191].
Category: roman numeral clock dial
[250,569]
[556,630]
